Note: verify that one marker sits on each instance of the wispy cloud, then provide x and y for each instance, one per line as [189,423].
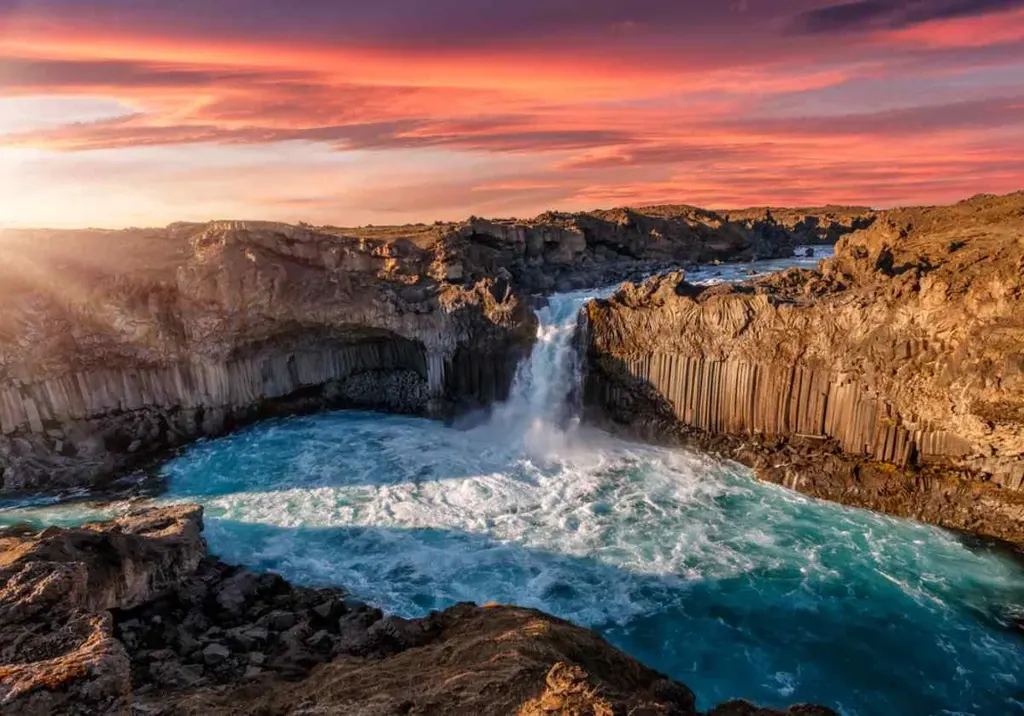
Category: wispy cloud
[384,109]
[870,15]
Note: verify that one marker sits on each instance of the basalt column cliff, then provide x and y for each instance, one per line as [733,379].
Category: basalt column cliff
[116,345]
[251,320]
[890,378]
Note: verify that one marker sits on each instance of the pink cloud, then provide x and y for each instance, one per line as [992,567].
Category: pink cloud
[642,116]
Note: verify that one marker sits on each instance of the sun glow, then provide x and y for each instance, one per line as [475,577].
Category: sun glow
[143,122]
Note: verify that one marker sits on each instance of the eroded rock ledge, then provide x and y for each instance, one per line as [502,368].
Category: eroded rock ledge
[890,378]
[131,616]
[117,345]
[98,370]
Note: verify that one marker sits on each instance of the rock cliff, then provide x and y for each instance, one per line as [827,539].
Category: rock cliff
[130,616]
[58,653]
[117,345]
[892,377]
[100,364]
[559,251]
[818,225]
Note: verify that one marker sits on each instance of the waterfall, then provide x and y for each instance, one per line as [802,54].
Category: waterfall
[540,409]
[546,387]
[544,380]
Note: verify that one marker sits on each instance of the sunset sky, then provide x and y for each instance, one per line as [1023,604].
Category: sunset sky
[143,112]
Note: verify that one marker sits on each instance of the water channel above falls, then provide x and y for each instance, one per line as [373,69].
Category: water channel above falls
[737,588]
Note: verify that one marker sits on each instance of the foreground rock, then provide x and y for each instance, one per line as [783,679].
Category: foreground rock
[890,378]
[58,653]
[129,616]
[118,345]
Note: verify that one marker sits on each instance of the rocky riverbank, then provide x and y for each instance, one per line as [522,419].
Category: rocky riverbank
[118,346]
[891,377]
[132,616]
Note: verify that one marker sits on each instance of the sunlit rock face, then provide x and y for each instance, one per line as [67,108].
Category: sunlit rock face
[116,345]
[903,354]
[252,319]
[58,653]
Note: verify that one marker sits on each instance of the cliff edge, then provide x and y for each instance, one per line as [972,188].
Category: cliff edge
[101,366]
[892,377]
[116,346]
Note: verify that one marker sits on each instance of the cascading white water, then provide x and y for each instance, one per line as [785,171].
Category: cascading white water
[737,588]
[538,408]
[542,382]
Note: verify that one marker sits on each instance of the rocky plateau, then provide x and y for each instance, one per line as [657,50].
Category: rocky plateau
[117,346]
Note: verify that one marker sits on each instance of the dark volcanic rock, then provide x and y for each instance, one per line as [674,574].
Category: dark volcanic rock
[491,661]
[890,378]
[818,225]
[58,654]
[116,346]
[100,370]
[561,252]
[127,616]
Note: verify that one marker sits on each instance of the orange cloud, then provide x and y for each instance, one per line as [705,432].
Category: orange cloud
[987,30]
[752,119]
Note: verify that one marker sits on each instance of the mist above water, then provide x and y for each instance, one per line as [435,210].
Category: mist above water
[735,587]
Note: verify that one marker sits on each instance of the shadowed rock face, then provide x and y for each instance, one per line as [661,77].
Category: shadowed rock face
[892,377]
[115,346]
[559,252]
[818,225]
[102,368]
[130,616]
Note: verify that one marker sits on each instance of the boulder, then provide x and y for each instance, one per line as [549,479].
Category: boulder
[58,653]
[215,654]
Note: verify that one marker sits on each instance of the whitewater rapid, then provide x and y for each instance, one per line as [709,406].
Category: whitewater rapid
[737,588]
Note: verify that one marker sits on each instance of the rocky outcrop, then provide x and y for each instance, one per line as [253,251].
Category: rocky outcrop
[102,368]
[560,252]
[892,377]
[58,653]
[130,617]
[817,225]
[492,661]
[116,346]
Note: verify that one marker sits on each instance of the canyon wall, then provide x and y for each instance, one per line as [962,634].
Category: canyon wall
[817,225]
[102,365]
[561,251]
[117,345]
[892,377]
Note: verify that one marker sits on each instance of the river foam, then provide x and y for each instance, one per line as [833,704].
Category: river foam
[737,588]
